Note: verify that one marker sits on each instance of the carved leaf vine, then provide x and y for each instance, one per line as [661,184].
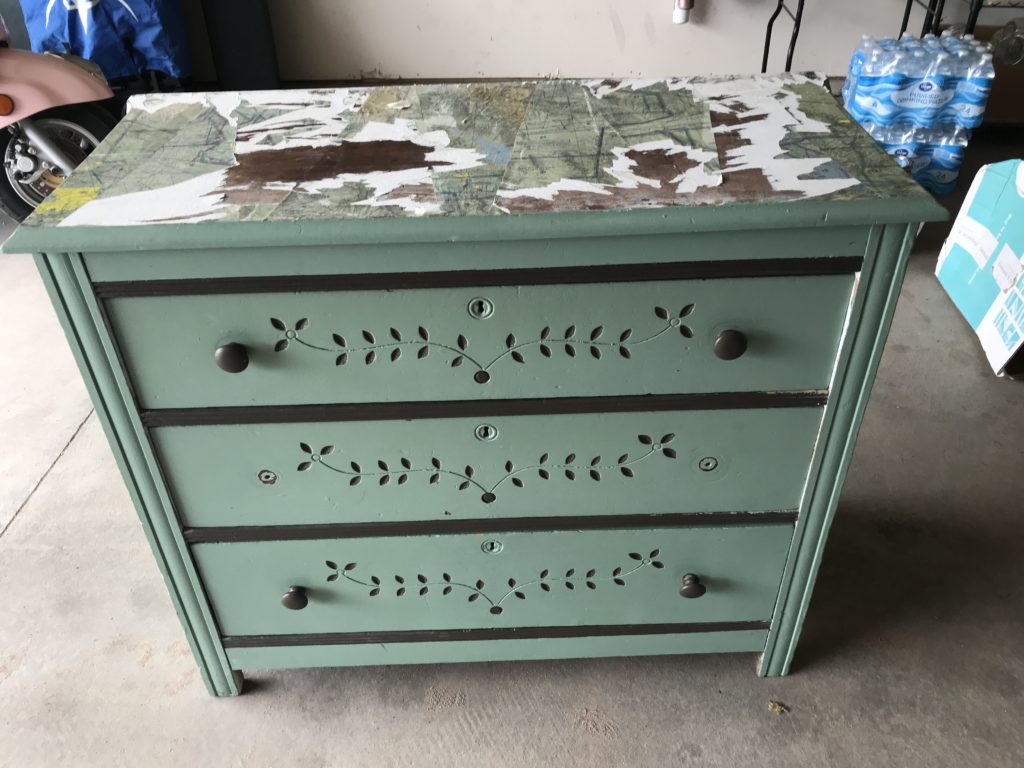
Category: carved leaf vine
[422,585]
[572,467]
[391,346]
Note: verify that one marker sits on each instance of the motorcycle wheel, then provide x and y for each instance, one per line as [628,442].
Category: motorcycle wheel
[76,129]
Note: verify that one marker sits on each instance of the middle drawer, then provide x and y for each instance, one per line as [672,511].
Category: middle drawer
[750,459]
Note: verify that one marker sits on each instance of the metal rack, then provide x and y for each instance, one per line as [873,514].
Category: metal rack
[796,16]
[932,20]
[933,13]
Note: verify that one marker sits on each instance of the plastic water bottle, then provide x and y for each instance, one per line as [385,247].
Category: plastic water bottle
[940,155]
[923,82]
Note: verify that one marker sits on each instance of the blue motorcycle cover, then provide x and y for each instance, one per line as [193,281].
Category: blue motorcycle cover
[124,37]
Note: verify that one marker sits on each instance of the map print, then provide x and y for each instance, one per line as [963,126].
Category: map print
[473,149]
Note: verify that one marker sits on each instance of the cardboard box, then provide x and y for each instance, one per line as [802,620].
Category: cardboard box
[982,261]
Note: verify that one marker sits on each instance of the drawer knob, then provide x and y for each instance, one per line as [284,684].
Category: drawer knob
[730,344]
[692,588]
[232,357]
[295,599]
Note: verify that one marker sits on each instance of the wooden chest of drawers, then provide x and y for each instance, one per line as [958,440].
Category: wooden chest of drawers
[483,371]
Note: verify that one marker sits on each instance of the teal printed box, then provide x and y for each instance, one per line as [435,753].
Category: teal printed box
[981,262]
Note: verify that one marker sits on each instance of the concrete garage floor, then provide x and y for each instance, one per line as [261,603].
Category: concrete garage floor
[912,653]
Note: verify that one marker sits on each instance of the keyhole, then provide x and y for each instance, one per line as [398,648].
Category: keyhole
[486,432]
[492,546]
[480,308]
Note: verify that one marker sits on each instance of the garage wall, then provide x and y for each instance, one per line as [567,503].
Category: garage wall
[326,39]
[350,39]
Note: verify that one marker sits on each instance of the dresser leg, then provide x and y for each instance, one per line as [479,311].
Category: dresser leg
[229,687]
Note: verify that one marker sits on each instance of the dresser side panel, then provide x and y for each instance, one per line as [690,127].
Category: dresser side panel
[861,350]
[76,309]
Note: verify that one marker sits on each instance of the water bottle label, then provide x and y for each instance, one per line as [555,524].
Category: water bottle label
[927,94]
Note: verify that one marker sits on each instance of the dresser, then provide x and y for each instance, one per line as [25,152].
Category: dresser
[482,371]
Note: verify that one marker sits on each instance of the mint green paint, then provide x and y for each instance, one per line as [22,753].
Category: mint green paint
[227,261]
[534,226]
[70,293]
[793,326]
[871,317]
[250,474]
[403,257]
[157,352]
[495,650]
[451,582]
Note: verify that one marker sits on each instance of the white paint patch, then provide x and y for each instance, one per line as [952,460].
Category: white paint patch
[194,200]
[224,102]
[562,185]
[317,119]
[602,88]
[312,118]
[776,114]
[699,177]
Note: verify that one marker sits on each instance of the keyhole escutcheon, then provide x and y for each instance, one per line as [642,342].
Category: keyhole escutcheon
[486,432]
[480,308]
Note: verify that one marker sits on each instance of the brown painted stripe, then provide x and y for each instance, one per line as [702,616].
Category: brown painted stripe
[248,533]
[487,633]
[610,273]
[448,409]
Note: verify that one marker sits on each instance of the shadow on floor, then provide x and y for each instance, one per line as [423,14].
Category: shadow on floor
[890,571]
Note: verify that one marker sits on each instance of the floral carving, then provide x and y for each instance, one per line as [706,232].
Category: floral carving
[444,586]
[572,467]
[372,348]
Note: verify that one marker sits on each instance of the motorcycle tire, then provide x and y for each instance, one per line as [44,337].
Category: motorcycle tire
[92,119]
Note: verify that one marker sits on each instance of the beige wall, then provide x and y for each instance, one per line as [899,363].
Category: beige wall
[341,39]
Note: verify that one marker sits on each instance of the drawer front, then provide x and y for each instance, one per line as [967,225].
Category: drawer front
[488,342]
[450,469]
[567,578]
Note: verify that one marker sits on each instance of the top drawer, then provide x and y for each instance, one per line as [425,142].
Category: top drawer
[564,340]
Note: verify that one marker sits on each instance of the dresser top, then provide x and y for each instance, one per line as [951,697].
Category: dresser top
[475,149]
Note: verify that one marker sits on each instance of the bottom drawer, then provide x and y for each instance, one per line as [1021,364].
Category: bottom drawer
[420,588]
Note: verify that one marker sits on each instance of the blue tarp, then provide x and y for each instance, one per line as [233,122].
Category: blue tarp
[124,37]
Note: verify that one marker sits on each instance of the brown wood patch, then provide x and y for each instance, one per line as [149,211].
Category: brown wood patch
[298,164]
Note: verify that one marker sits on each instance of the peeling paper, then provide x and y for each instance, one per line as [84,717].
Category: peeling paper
[779,113]
[385,182]
[189,201]
[472,149]
[623,168]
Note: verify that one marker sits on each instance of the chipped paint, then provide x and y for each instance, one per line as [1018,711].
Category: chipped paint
[473,149]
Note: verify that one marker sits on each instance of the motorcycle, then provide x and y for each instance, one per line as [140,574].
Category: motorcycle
[49,122]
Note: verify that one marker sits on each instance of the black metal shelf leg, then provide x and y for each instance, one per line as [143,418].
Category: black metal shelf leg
[797,18]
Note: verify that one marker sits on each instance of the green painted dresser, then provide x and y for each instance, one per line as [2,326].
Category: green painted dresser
[482,371]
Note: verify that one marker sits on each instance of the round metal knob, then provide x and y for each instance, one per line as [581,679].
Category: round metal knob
[730,344]
[692,588]
[295,599]
[232,357]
